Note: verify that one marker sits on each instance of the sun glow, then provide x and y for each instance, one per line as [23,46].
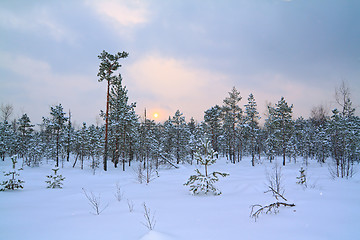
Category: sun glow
[156,115]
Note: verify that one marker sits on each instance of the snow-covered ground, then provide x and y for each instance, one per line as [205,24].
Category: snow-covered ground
[327,209]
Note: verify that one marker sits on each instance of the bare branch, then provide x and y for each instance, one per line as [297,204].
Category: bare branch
[343,98]
[342,93]
[319,114]
[95,202]
[6,111]
[276,194]
[168,161]
[275,181]
[271,208]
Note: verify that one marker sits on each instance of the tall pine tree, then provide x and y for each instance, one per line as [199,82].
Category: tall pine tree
[252,126]
[181,137]
[213,129]
[122,122]
[231,117]
[281,124]
[57,125]
[108,65]
[25,129]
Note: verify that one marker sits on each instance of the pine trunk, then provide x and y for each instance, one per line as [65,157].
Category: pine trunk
[106,126]
[284,151]
[57,150]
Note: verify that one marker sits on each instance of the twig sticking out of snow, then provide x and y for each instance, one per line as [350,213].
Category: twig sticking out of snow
[95,202]
[119,195]
[130,205]
[149,218]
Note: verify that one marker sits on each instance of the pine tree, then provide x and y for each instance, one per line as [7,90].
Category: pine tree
[181,137]
[69,137]
[300,143]
[95,147]
[281,125]
[122,122]
[270,143]
[231,117]
[252,126]
[147,150]
[4,138]
[157,144]
[53,132]
[321,143]
[213,129]
[302,177]
[344,131]
[204,182]
[58,124]
[84,144]
[151,136]
[195,136]
[12,183]
[25,130]
[108,65]
[167,140]
[36,149]
[145,142]
[13,144]
[55,180]
[8,140]
[261,141]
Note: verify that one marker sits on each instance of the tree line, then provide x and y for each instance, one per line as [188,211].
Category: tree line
[233,130]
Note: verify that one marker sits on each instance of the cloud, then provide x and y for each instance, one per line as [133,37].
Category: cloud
[36,20]
[121,13]
[29,67]
[38,85]
[167,84]
[269,87]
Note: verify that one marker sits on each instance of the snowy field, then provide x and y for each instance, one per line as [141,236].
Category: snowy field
[326,209]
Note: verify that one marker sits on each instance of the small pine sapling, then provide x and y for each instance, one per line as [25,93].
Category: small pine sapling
[12,183]
[204,183]
[302,177]
[56,180]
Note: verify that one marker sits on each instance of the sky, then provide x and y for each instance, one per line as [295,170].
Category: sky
[183,54]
